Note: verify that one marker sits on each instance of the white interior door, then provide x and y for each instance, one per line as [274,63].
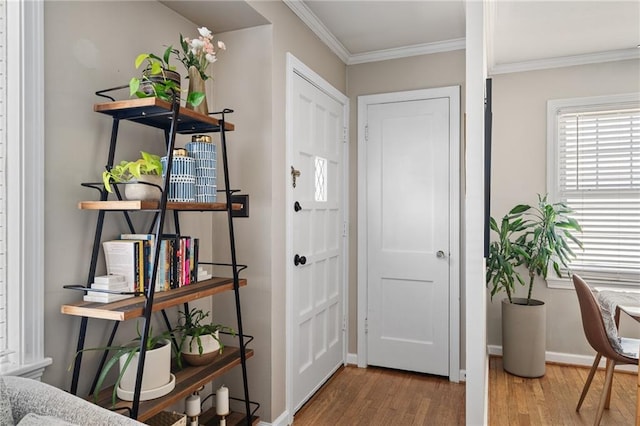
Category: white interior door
[408,249]
[318,231]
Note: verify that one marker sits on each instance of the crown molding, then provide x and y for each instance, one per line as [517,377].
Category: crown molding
[406,51]
[565,61]
[312,21]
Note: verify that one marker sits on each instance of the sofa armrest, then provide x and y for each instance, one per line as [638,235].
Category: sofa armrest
[31,396]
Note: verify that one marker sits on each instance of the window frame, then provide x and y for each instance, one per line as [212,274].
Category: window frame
[582,104]
[25,189]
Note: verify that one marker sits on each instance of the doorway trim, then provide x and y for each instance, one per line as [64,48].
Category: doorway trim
[295,66]
[453,93]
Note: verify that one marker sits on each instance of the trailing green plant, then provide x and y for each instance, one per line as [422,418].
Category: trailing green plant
[130,349]
[534,237]
[154,74]
[147,164]
[192,324]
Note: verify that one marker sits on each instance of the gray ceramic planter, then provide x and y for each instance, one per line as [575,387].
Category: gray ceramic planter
[524,337]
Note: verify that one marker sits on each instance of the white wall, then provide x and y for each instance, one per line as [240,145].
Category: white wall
[519,170]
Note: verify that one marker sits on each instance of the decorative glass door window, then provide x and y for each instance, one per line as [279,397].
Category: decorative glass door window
[321,179]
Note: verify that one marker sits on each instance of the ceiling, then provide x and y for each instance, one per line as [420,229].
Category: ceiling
[521,34]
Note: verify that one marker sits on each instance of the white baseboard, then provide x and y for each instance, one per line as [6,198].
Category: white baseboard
[571,359]
[282,420]
[352,359]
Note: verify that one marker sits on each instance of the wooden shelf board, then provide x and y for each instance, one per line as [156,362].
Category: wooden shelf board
[187,379]
[157,113]
[133,307]
[154,205]
[210,418]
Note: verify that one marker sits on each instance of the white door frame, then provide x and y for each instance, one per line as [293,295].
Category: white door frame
[295,66]
[453,93]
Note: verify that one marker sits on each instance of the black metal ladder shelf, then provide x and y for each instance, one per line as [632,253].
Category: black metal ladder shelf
[173,119]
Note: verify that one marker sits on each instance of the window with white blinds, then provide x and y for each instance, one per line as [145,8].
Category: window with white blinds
[595,155]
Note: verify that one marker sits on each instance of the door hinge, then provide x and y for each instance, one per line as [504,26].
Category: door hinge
[366,326]
[344,229]
[344,135]
[344,323]
[366,133]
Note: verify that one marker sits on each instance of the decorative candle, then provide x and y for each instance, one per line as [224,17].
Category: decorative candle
[222,401]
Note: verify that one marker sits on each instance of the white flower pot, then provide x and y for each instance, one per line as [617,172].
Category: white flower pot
[134,191]
[210,349]
[157,379]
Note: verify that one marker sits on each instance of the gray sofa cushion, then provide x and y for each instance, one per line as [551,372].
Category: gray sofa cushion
[6,417]
[37,420]
[31,396]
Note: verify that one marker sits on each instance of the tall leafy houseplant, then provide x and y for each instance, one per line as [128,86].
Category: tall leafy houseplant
[533,236]
[529,238]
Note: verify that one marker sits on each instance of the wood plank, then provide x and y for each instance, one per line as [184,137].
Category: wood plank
[126,309]
[154,205]
[377,396]
[187,379]
[153,112]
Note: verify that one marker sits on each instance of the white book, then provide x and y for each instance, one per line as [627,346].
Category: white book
[122,258]
[121,286]
[104,297]
[110,279]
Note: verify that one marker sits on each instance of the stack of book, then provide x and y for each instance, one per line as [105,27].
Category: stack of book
[133,256]
[115,283]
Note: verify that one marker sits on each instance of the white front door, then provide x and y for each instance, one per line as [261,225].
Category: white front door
[316,190]
[408,234]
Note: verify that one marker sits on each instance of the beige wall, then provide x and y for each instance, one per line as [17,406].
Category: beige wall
[84,55]
[519,169]
[418,72]
[289,35]
[89,46]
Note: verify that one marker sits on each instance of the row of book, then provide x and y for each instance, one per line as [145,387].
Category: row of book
[132,256]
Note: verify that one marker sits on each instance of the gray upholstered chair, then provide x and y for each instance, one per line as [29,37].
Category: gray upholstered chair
[595,331]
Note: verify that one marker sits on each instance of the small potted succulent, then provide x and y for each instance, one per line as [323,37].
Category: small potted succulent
[200,340]
[146,172]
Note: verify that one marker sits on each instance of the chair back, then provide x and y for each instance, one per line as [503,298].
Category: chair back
[592,322]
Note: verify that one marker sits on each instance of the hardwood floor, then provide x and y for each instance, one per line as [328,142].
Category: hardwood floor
[378,396]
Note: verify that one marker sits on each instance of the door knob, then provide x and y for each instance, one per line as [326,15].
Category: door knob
[299,260]
[440,254]
[296,206]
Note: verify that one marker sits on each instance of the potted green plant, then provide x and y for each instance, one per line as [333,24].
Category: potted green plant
[200,340]
[146,171]
[159,79]
[157,379]
[529,238]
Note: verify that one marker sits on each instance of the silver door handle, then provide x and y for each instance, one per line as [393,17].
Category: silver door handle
[440,254]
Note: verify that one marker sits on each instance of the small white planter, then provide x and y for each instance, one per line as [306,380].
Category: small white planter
[157,379]
[210,349]
[134,191]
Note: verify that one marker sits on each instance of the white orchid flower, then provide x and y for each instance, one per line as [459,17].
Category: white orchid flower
[221,45]
[204,32]
[211,58]
[196,45]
